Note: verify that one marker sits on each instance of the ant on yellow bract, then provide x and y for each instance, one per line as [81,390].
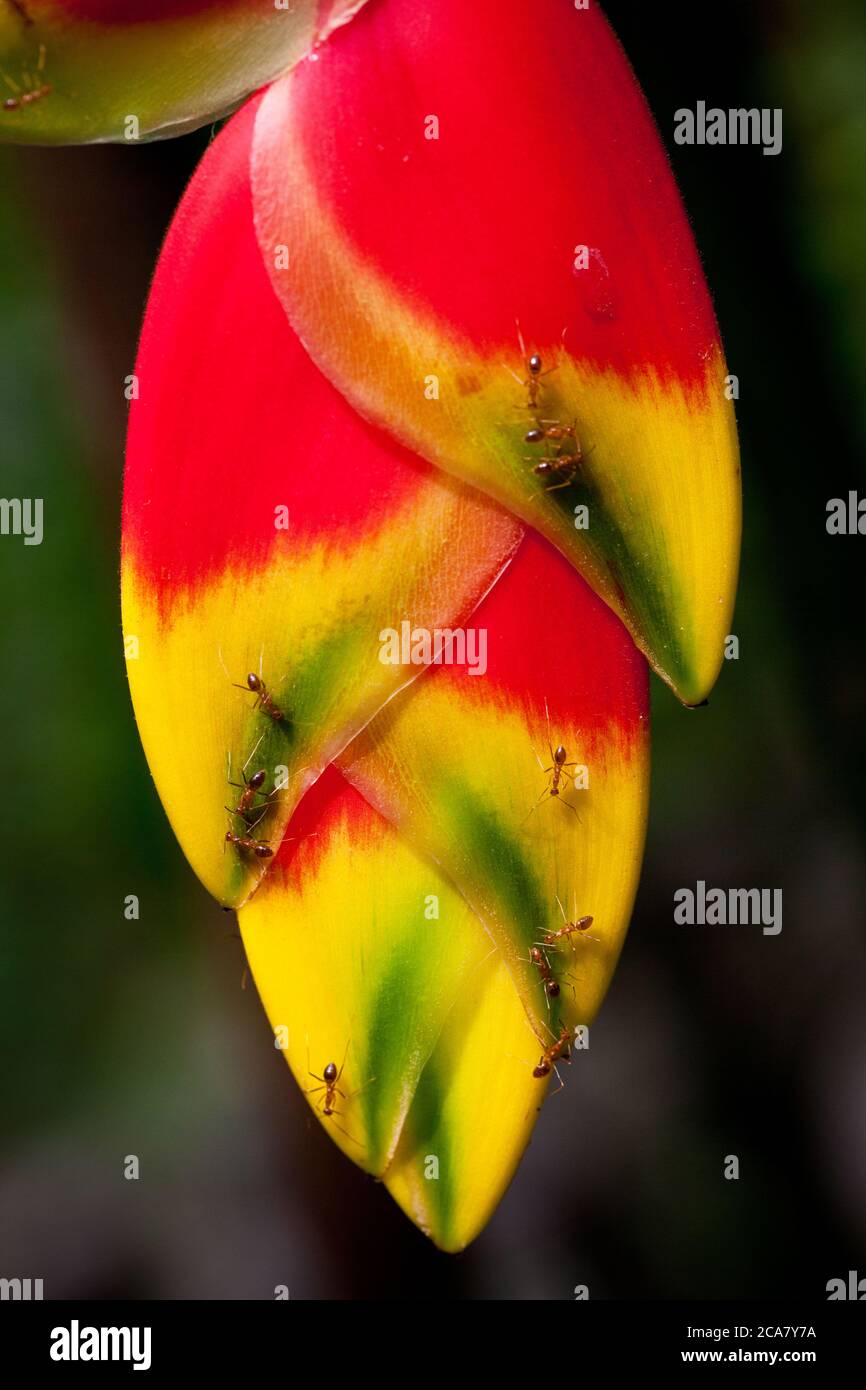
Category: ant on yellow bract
[558,770]
[330,1087]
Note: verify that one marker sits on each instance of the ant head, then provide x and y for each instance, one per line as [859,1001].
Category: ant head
[257,779]
[543,1069]
[253,681]
[262,850]
[533,436]
[230,835]
[330,1072]
[535,955]
[534,364]
[560,756]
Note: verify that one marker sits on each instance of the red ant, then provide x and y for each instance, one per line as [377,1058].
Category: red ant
[256,685]
[33,93]
[554,430]
[558,769]
[263,696]
[260,848]
[539,959]
[550,1056]
[246,808]
[564,466]
[330,1085]
[25,98]
[534,365]
[580,925]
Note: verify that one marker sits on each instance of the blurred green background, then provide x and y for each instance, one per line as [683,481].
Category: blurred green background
[124,1037]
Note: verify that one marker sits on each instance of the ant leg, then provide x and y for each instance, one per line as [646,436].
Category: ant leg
[516,1058]
[314,1074]
[343,1063]
[250,758]
[357,1092]
[544,794]
[567,980]
[549,735]
[560,1087]
[350,1137]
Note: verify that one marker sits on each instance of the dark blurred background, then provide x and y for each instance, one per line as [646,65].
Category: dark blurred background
[125,1037]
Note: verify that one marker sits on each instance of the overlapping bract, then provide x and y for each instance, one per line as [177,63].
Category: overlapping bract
[495,163]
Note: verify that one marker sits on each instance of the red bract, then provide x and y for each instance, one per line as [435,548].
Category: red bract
[496,163]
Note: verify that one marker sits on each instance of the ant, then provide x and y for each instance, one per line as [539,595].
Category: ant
[559,465]
[558,769]
[263,696]
[260,848]
[25,98]
[329,1083]
[246,808]
[534,368]
[553,430]
[568,930]
[550,1056]
[539,959]
[255,684]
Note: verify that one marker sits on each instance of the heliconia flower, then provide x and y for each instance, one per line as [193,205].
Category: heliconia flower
[81,70]
[421,853]
[494,164]
[432,287]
